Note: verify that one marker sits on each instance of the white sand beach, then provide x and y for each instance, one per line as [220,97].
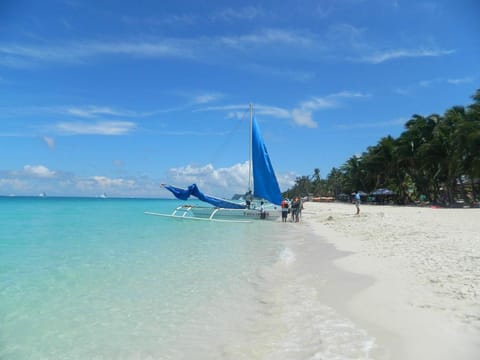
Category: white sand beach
[418,284]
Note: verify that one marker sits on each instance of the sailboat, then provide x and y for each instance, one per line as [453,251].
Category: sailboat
[263,189]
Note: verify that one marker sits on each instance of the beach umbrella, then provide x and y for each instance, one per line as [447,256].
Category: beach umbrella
[384,192]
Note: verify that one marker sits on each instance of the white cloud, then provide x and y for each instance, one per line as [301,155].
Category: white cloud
[425,84]
[98,184]
[268,38]
[38,171]
[272,111]
[207,98]
[286,180]
[98,128]
[303,118]
[36,179]
[13,184]
[219,182]
[92,111]
[339,41]
[85,112]
[279,72]
[21,55]
[158,20]
[387,55]
[241,107]
[106,182]
[350,95]
[118,163]
[303,115]
[241,111]
[317,103]
[458,81]
[330,101]
[351,43]
[345,35]
[49,141]
[229,14]
[188,48]
[223,182]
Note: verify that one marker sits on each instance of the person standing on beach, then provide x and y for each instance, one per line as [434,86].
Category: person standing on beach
[299,209]
[357,202]
[263,214]
[295,209]
[248,198]
[284,206]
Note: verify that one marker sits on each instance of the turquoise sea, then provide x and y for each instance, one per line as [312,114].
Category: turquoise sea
[85,278]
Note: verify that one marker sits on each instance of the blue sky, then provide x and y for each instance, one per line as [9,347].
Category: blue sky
[118,96]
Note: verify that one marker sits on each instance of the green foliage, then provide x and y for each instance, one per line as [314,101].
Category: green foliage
[436,157]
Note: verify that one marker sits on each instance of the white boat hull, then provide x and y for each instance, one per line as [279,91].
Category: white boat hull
[246,214]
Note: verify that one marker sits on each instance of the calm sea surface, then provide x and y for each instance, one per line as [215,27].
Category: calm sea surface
[98,279]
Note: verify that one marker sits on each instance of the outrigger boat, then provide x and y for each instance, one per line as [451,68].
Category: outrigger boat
[265,191]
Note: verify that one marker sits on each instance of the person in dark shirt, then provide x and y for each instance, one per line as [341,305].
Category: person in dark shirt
[248,198]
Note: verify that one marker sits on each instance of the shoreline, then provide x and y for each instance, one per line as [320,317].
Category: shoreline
[424,266]
[303,299]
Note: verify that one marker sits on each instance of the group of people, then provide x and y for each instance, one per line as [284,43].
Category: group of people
[294,207]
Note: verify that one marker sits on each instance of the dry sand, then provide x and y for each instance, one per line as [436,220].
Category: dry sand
[424,300]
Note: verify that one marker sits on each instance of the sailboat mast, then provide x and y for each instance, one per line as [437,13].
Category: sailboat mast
[250,150]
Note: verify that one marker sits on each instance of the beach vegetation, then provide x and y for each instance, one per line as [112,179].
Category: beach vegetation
[436,159]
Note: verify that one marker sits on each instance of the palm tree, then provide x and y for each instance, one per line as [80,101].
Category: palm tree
[335,182]
[302,187]
[317,186]
[471,130]
[431,157]
[413,152]
[352,170]
[381,164]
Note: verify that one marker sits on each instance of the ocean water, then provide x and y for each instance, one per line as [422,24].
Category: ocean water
[98,279]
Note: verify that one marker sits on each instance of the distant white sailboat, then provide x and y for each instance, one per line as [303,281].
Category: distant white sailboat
[265,189]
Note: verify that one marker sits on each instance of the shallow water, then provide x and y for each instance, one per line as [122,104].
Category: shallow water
[97,278]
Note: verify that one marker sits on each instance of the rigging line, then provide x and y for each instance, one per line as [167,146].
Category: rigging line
[221,149]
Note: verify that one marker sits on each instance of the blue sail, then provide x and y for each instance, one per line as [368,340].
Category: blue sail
[265,184]
[184,194]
